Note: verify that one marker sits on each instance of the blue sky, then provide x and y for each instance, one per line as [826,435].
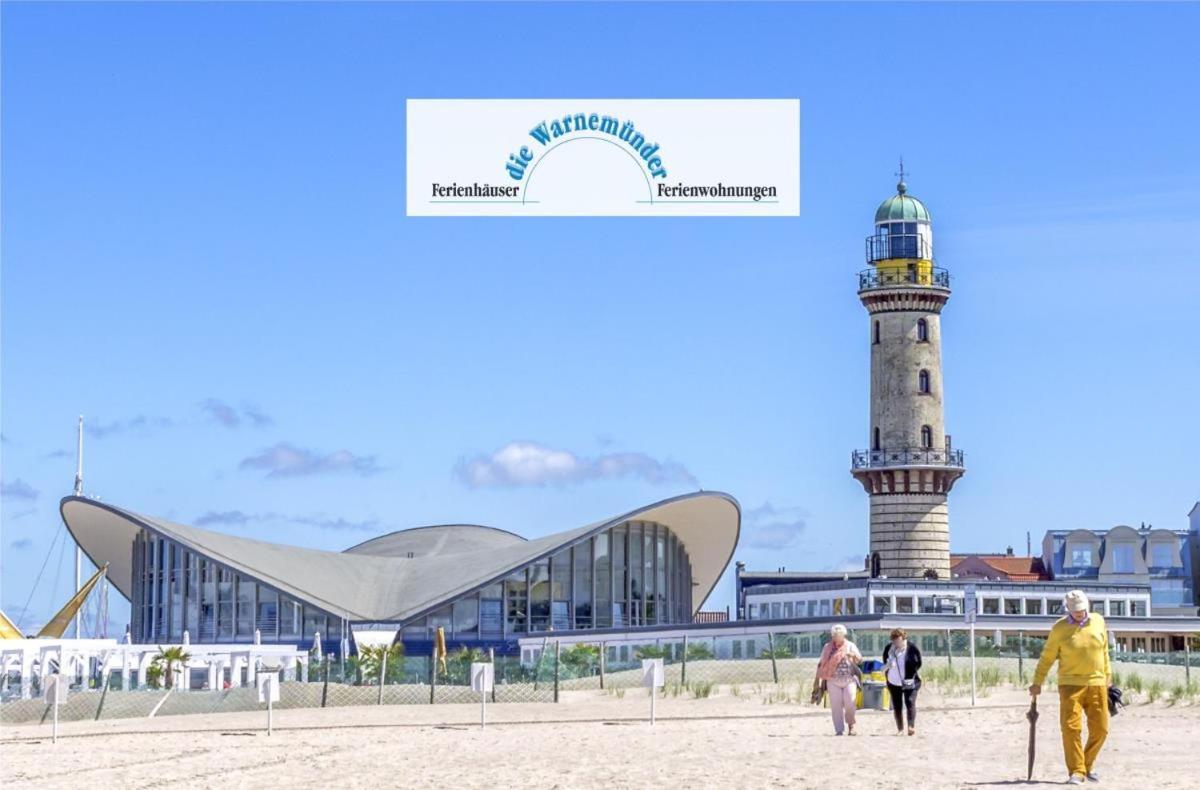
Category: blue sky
[205,252]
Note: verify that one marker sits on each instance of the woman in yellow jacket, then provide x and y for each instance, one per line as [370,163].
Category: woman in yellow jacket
[1079,643]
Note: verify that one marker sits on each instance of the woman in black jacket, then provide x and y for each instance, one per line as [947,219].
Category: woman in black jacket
[901,662]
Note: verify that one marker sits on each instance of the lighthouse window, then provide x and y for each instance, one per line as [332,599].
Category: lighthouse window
[875,443]
[923,382]
[922,331]
[926,437]
[876,336]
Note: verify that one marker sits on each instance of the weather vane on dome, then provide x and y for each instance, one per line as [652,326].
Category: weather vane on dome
[901,187]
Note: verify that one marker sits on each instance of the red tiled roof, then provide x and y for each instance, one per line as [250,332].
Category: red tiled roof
[1015,568]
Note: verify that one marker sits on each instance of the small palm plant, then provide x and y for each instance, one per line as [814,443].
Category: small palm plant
[386,658]
[167,659]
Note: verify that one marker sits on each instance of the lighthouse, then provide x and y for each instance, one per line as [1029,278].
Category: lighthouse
[910,464]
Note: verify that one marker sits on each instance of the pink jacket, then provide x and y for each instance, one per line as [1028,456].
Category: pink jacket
[831,657]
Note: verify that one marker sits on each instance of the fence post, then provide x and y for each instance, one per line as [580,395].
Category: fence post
[432,677]
[949,651]
[325,686]
[1187,659]
[104,696]
[683,668]
[603,653]
[557,655]
[1021,657]
[492,659]
[771,648]
[382,674]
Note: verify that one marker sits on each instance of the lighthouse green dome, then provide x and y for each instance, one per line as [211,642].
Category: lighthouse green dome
[901,207]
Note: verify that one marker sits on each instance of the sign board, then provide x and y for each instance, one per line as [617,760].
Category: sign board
[969,603]
[652,673]
[658,157]
[482,676]
[56,690]
[268,688]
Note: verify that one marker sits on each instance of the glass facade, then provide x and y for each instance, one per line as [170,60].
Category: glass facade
[634,574]
[176,590]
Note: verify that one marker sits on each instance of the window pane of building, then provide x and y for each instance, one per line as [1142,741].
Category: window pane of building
[466,617]
[904,604]
[442,618]
[289,619]
[192,616]
[602,610]
[1123,559]
[1012,605]
[1162,555]
[539,600]
[1055,606]
[208,601]
[883,604]
[268,613]
[491,610]
[516,596]
[635,575]
[176,555]
[1137,608]
[927,604]
[583,584]
[620,576]
[224,603]
[560,590]
[314,623]
[1033,606]
[648,572]
[660,590]
[245,608]
[1116,608]
[991,606]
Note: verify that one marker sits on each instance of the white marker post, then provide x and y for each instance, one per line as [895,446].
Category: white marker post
[969,616]
[268,692]
[482,680]
[56,692]
[652,678]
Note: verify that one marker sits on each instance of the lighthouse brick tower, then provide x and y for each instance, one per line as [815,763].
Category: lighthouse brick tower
[911,465]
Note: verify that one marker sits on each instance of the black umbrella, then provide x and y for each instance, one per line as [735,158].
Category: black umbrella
[1032,715]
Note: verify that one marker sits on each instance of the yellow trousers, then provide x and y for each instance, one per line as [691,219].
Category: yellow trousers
[1075,702]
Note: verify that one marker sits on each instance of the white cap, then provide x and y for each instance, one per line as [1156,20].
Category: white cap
[1076,601]
[838,629]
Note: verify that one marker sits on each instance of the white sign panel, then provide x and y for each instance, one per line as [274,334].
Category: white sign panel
[56,690]
[482,676]
[603,157]
[969,603]
[652,673]
[268,688]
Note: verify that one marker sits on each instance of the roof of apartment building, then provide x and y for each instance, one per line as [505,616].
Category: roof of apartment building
[1000,566]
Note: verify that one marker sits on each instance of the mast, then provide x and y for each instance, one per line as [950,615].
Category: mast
[78,551]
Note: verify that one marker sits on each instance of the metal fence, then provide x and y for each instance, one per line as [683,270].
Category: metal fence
[778,666]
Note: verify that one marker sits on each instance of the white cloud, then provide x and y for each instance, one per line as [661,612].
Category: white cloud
[531,464]
[287,460]
[770,527]
[18,489]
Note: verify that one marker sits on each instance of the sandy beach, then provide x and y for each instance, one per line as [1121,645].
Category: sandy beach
[597,740]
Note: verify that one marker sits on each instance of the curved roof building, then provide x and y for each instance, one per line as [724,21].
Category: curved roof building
[651,566]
